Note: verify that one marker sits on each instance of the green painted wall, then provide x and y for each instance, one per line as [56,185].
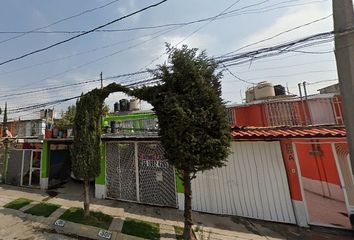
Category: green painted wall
[44,161]
[133,116]
[179,183]
[101,179]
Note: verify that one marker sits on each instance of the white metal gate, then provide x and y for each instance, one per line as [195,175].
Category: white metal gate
[253,184]
[24,167]
[137,171]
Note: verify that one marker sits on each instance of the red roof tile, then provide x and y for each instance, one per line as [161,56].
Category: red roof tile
[281,132]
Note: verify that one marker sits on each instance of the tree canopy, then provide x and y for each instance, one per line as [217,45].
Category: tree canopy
[193,124]
[87,131]
[67,118]
[192,116]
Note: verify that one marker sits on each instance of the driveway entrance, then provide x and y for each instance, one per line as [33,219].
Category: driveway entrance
[138,171]
[321,185]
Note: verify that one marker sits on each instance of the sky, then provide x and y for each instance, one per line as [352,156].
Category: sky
[119,52]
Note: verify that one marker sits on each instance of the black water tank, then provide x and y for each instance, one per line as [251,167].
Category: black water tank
[124,105]
[279,90]
[116,107]
[113,127]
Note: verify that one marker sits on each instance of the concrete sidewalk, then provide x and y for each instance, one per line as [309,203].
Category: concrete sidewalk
[208,226]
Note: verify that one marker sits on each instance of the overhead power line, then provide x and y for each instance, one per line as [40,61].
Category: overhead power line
[322,81]
[284,75]
[291,46]
[59,21]
[101,58]
[235,76]
[42,105]
[281,33]
[232,13]
[82,34]
[249,56]
[110,45]
[70,85]
[204,25]
[152,36]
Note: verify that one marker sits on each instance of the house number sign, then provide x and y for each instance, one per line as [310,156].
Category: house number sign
[104,234]
[59,223]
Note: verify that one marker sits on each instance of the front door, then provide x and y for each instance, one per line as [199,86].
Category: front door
[31,167]
[321,185]
[121,171]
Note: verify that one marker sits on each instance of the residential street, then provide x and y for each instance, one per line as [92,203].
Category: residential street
[12,227]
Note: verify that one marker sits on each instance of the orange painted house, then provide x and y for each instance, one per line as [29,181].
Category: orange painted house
[314,150]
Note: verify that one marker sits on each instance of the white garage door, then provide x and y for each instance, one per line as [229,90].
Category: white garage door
[253,184]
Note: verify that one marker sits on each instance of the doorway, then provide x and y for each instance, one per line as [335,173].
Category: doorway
[321,184]
[24,167]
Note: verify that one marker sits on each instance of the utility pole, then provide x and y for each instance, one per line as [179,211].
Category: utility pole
[6,145]
[101,118]
[343,19]
[101,80]
[308,117]
[303,105]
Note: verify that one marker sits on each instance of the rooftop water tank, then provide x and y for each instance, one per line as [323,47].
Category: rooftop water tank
[116,107]
[279,90]
[134,104]
[264,90]
[124,105]
[250,97]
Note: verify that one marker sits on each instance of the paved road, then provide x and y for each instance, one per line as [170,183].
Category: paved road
[12,227]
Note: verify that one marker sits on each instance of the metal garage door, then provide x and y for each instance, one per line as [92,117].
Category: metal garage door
[253,184]
[138,171]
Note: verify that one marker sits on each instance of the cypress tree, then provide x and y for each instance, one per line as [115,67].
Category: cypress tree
[192,117]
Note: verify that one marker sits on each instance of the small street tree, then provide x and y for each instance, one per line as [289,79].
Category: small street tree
[67,118]
[192,117]
[87,137]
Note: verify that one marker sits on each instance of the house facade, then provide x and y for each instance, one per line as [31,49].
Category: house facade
[274,173]
[289,163]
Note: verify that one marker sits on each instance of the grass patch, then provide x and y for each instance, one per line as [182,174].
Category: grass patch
[96,219]
[43,209]
[18,203]
[141,229]
[179,232]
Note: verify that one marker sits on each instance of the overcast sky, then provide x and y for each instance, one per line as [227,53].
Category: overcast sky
[116,53]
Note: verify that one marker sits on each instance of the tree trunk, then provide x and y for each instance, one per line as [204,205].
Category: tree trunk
[187,232]
[87,197]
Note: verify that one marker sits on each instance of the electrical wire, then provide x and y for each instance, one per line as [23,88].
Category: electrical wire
[82,34]
[322,81]
[222,62]
[100,58]
[235,76]
[281,33]
[87,51]
[275,50]
[59,21]
[210,19]
[285,66]
[222,16]
[41,105]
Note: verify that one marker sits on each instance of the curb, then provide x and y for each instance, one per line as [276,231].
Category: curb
[81,230]
[69,228]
